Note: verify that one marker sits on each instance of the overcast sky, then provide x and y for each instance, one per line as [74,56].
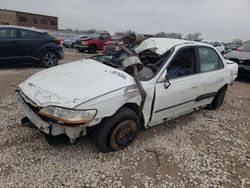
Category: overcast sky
[215,19]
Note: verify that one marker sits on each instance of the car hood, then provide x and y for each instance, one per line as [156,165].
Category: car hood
[241,55]
[74,83]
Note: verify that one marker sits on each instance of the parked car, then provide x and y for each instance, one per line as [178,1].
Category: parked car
[93,43]
[242,57]
[116,95]
[29,44]
[69,43]
[216,44]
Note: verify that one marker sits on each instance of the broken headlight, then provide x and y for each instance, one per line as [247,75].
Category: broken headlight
[68,116]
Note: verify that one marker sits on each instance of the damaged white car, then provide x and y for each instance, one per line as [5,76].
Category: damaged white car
[116,95]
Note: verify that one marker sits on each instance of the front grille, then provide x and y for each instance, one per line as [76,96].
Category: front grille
[241,62]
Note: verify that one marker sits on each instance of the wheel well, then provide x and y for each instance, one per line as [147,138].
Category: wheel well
[93,45]
[136,109]
[225,86]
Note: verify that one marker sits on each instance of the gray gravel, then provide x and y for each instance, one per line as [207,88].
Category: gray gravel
[202,149]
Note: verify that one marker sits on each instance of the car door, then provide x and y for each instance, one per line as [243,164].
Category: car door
[103,38]
[9,48]
[29,41]
[177,98]
[211,74]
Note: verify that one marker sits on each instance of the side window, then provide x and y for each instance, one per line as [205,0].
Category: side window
[183,64]
[105,37]
[26,34]
[8,33]
[208,59]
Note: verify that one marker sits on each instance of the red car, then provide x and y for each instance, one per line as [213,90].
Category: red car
[93,42]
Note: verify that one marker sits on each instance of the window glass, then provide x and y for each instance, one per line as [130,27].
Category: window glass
[183,64]
[44,21]
[35,20]
[22,19]
[105,36]
[7,33]
[209,59]
[26,34]
[245,47]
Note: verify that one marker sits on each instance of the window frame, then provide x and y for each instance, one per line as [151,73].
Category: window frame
[34,37]
[16,37]
[221,64]
[196,67]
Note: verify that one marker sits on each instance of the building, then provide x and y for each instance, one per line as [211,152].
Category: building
[10,17]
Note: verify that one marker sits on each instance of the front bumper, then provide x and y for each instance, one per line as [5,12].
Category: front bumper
[81,47]
[49,127]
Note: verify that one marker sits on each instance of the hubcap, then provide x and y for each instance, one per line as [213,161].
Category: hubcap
[123,134]
[50,59]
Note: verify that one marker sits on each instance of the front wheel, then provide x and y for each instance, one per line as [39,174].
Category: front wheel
[49,59]
[92,49]
[117,132]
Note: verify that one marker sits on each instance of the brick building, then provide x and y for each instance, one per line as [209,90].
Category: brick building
[10,17]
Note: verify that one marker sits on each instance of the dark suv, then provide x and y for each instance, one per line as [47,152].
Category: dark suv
[29,44]
[241,56]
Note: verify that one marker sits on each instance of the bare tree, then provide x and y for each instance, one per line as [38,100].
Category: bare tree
[194,36]
[123,33]
[174,35]
[161,35]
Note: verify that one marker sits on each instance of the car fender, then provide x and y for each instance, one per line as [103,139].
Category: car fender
[108,104]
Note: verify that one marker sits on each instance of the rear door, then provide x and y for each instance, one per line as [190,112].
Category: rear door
[9,48]
[211,75]
[30,41]
[179,97]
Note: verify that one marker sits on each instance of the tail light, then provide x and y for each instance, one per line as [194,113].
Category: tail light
[57,41]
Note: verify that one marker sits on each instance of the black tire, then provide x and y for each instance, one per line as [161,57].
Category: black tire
[218,99]
[117,132]
[81,50]
[92,49]
[49,59]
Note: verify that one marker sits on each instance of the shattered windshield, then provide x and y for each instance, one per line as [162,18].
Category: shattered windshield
[152,62]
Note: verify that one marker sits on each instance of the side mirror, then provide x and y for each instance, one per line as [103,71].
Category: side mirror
[167,83]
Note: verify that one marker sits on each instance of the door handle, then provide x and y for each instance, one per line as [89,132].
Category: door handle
[194,87]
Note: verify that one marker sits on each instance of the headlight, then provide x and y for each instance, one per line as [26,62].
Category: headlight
[68,116]
[84,43]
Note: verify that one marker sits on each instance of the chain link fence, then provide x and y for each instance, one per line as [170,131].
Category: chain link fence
[64,34]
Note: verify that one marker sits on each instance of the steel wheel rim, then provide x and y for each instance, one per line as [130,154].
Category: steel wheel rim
[123,134]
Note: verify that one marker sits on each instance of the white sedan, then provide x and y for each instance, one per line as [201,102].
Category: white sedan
[116,95]
[217,45]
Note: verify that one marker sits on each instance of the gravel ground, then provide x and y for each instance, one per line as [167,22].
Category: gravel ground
[202,149]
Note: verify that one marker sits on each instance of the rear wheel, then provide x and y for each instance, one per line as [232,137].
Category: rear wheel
[117,132]
[49,59]
[218,99]
[92,49]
